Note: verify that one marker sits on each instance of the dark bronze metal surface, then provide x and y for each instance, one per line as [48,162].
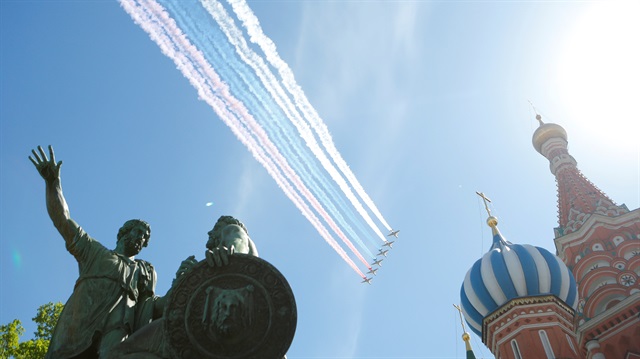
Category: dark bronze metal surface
[242,310]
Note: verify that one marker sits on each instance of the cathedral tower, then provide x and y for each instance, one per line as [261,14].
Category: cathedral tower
[599,242]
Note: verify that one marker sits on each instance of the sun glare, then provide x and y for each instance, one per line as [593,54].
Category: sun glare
[599,76]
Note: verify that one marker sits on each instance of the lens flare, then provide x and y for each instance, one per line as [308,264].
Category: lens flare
[17,258]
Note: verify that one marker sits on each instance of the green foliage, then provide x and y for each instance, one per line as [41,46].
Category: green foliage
[46,319]
[9,337]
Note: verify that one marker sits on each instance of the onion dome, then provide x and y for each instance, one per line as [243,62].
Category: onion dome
[545,132]
[509,271]
[578,198]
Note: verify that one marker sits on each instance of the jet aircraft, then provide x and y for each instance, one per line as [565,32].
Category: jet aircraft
[372,271]
[377,262]
[389,243]
[366,280]
[393,233]
[383,252]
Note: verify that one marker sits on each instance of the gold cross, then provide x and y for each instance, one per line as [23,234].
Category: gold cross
[538,117]
[461,319]
[485,199]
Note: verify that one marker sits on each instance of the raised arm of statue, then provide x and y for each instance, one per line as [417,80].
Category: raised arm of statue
[56,204]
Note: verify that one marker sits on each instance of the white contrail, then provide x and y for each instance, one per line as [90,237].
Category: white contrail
[269,113]
[284,165]
[256,35]
[235,37]
[172,42]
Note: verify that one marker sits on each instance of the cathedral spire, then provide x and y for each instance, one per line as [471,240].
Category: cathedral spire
[578,198]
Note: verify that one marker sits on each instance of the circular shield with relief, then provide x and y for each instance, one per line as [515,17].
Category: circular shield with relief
[245,309]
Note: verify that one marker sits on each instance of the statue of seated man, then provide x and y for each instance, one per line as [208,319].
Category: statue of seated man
[227,237]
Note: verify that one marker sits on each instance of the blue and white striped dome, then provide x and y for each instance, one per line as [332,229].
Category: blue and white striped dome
[510,271]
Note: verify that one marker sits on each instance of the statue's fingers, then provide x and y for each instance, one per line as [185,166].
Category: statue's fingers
[44,155]
[216,258]
[224,258]
[51,154]
[209,259]
[33,161]
[35,155]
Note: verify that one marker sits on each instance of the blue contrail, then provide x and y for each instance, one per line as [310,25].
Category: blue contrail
[163,30]
[208,40]
[217,11]
[251,23]
[234,35]
[274,112]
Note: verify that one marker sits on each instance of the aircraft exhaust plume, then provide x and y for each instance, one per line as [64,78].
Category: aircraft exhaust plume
[162,30]
[257,36]
[270,116]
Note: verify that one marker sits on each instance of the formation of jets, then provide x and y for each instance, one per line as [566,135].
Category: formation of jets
[381,252]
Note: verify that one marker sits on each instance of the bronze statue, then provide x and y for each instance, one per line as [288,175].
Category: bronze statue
[114,293]
[221,313]
[230,304]
[149,343]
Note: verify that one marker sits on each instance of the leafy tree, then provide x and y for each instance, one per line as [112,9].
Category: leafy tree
[46,319]
[9,338]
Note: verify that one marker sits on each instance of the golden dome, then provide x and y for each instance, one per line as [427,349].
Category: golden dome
[545,132]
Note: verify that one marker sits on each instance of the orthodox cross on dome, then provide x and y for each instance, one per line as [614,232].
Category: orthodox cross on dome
[538,117]
[491,221]
[485,199]
[464,329]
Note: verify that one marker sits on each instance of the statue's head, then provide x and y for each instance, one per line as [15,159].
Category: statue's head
[134,235]
[225,228]
[229,313]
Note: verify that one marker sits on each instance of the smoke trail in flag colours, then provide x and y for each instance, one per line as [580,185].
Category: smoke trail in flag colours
[256,35]
[250,100]
[272,86]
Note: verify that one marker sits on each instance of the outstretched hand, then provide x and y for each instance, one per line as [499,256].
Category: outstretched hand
[47,167]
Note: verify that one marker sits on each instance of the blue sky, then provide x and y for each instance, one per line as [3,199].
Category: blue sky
[427,101]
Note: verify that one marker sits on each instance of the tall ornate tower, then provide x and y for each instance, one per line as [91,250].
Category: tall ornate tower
[599,242]
[521,300]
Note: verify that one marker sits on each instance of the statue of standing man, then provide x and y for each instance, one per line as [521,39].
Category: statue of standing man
[114,293]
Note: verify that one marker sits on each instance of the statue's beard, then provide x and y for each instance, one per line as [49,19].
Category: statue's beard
[227,327]
[132,246]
